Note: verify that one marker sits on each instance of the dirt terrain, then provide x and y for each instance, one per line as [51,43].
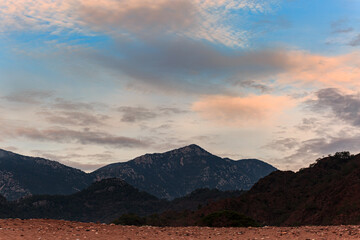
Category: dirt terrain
[58,229]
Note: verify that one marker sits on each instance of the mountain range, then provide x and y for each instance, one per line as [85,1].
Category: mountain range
[165,175]
[325,193]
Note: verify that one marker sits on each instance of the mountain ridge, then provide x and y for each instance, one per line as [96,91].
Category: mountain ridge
[177,172]
[171,174]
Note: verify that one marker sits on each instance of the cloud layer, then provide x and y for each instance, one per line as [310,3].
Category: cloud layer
[200,19]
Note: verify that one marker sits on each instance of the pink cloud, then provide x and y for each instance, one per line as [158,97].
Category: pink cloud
[330,71]
[241,110]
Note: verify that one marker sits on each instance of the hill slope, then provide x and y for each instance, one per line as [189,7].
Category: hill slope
[178,172]
[21,176]
[103,201]
[326,193]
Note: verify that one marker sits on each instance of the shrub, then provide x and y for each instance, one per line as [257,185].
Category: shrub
[228,219]
[130,219]
[343,155]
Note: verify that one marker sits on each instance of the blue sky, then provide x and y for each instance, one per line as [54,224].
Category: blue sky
[91,82]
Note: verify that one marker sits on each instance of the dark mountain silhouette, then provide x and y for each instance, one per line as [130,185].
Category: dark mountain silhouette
[326,193]
[21,176]
[165,175]
[104,201]
[178,172]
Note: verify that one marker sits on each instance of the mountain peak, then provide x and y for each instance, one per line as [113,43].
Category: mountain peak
[191,149]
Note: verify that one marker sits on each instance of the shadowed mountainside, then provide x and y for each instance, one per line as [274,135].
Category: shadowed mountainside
[104,201]
[21,176]
[326,193]
[178,172]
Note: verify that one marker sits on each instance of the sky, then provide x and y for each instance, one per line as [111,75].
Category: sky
[92,82]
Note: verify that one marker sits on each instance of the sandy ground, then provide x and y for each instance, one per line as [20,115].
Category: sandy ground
[54,229]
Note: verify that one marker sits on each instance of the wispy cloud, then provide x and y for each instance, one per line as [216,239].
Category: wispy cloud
[341,26]
[135,114]
[64,104]
[73,118]
[355,41]
[36,15]
[201,19]
[85,162]
[343,106]
[29,96]
[85,136]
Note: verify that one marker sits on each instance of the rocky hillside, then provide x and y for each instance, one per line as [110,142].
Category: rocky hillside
[21,176]
[326,193]
[178,172]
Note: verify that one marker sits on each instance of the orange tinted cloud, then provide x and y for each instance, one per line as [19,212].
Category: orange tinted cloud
[241,110]
[334,71]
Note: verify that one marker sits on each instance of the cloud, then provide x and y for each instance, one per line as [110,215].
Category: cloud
[283,144]
[336,71]
[135,114]
[29,96]
[355,42]
[65,104]
[308,124]
[343,30]
[343,106]
[341,27]
[311,149]
[36,15]
[182,65]
[74,118]
[241,110]
[85,162]
[199,19]
[139,17]
[207,20]
[63,135]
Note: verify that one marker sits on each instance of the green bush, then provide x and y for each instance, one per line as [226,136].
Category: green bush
[228,219]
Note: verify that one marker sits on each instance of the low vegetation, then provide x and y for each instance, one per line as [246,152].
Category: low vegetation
[228,219]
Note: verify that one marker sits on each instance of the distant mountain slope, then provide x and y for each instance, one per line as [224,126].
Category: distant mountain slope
[21,176]
[178,172]
[326,193]
[104,201]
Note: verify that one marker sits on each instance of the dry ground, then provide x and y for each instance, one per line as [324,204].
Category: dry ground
[55,229]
